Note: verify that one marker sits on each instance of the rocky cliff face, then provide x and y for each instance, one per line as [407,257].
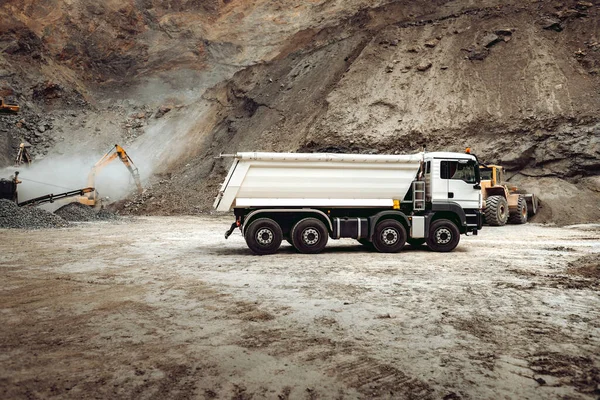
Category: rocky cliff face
[182,81]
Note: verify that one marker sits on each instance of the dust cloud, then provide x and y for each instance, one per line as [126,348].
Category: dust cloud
[60,174]
[172,139]
[164,143]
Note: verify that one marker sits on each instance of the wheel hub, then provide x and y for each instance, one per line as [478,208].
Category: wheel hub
[389,236]
[264,236]
[310,236]
[443,236]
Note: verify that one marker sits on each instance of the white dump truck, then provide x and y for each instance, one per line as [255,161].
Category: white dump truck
[383,201]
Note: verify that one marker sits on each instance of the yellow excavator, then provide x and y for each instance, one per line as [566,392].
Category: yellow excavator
[8,108]
[92,198]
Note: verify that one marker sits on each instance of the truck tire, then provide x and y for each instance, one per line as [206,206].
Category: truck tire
[443,236]
[520,215]
[309,236]
[416,243]
[263,236]
[389,236]
[496,211]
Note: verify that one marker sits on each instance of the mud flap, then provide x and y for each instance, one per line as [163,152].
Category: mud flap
[230,231]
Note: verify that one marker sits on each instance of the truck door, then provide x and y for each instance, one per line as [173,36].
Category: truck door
[461,179]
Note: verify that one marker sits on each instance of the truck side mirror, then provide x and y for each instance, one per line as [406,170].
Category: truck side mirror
[477,186]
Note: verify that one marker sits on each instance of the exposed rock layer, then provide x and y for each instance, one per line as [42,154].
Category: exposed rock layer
[517,81]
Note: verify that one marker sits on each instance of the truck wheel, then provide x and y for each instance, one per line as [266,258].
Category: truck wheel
[416,243]
[309,236]
[496,211]
[520,215]
[443,236]
[263,236]
[389,236]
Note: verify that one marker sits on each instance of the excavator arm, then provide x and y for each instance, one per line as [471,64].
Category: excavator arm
[130,166]
[23,156]
[114,153]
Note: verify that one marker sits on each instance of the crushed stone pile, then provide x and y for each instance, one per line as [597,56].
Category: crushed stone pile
[77,212]
[13,216]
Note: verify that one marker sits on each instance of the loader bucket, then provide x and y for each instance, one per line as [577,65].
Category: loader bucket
[532,204]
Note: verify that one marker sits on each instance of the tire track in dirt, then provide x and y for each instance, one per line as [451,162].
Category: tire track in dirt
[201,317]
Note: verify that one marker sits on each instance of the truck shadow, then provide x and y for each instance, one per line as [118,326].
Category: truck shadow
[287,249]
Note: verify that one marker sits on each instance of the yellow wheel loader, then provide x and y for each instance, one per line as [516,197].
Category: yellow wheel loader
[503,203]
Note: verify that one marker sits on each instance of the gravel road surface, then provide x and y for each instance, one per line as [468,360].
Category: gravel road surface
[165,307]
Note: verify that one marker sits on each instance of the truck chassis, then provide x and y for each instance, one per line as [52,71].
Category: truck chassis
[384,230]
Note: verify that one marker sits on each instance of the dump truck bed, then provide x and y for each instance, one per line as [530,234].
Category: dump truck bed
[316,180]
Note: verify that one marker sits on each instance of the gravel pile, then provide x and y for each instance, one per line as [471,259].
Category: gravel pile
[13,216]
[77,212]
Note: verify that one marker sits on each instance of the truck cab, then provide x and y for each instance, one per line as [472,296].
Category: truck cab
[453,178]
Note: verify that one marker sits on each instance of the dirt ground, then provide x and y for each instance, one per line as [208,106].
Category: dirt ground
[165,307]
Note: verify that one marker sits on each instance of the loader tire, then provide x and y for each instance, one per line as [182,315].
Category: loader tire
[520,215]
[443,236]
[263,236]
[496,211]
[309,236]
